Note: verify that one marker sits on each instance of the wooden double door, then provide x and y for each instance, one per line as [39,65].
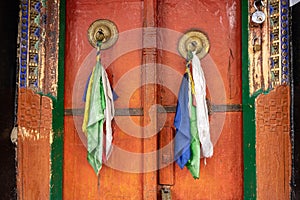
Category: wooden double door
[145,71]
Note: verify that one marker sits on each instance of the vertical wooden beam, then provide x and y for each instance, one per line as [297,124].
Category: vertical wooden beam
[40,135]
[34,120]
[56,183]
[51,48]
[259,52]
[248,113]
[273,147]
[149,98]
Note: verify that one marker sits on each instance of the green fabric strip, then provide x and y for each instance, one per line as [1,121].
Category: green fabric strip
[97,105]
[94,156]
[193,164]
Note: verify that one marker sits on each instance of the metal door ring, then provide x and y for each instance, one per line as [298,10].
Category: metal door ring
[193,41]
[102,30]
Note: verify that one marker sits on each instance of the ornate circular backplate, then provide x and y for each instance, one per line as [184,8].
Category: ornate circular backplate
[193,40]
[104,30]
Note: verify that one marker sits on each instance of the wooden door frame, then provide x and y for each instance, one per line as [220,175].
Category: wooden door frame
[295,103]
[57,146]
[249,151]
[55,131]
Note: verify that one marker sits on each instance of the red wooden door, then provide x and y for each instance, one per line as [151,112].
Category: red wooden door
[145,69]
[80,181]
[221,178]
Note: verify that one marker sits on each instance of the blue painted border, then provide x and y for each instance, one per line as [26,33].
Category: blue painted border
[284,41]
[23,44]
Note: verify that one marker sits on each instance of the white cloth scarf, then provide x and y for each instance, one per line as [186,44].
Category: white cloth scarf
[109,112]
[201,108]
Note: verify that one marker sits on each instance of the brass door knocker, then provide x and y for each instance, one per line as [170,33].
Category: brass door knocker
[193,41]
[103,30]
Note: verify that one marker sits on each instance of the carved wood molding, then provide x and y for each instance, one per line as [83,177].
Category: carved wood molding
[273,148]
[34,142]
[148,76]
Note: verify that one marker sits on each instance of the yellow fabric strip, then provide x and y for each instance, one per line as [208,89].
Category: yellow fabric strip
[187,70]
[87,104]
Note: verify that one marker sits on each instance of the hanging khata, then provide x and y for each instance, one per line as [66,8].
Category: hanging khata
[99,108]
[191,119]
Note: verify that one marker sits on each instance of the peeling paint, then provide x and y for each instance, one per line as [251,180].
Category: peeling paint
[34,135]
[34,139]
[231,14]
[33,164]
[221,20]
[51,137]
[258,48]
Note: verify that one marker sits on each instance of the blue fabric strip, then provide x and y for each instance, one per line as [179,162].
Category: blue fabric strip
[182,124]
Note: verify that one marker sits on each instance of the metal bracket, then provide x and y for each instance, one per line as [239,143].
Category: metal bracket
[194,41]
[166,109]
[166,193]
[103,30]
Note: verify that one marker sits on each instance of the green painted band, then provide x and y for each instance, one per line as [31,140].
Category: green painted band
[249,151]
[56,180]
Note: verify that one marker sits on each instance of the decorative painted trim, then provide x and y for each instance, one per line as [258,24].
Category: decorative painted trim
[34,32]
[38,46]
[279,41]
[284,41]
[23,44]
[30,36]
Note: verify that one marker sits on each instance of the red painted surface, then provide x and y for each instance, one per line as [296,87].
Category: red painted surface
[33,150]
[273,151]
[80,181]
[221,178]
